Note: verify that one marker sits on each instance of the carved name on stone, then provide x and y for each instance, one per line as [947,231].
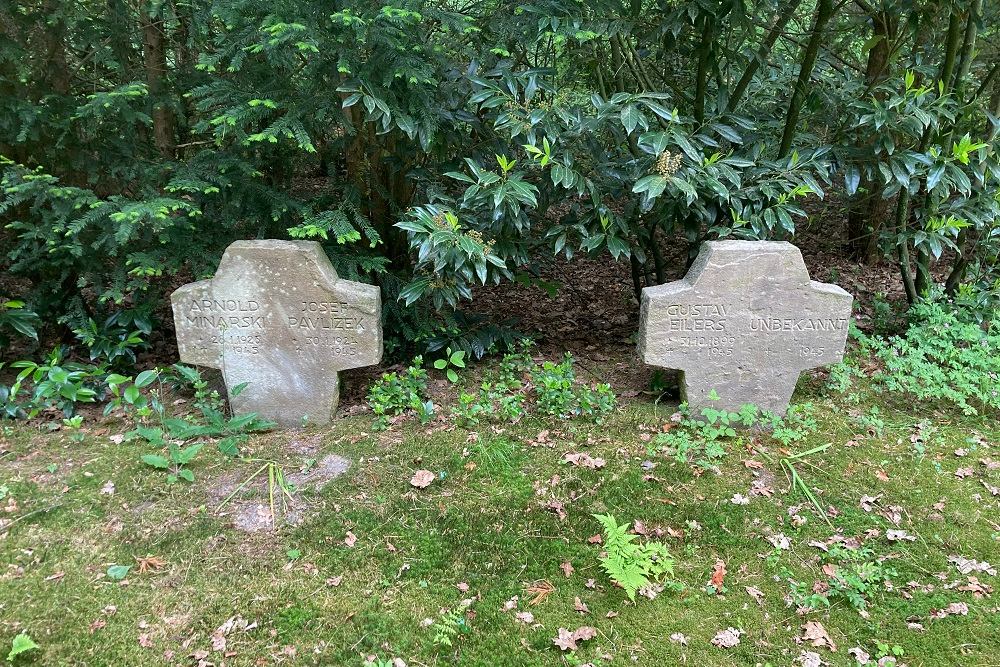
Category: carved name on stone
[278,319]
[744,321]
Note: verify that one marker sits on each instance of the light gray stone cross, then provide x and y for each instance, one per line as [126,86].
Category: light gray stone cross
[277,318]
[744,321]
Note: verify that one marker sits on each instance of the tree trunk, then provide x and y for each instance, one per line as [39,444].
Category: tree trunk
[787,10]
[824,11]
[867,208]
[968,47]
[704,60]
[923,270]
[54,44]
[155,59]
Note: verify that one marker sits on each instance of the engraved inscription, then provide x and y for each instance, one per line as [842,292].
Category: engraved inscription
[743,323]
[278,321]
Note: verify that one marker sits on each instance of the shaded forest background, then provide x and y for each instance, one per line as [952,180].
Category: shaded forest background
[433,146]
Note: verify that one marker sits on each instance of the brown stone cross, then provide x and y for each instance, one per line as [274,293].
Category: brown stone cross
[744,321]
[277,318]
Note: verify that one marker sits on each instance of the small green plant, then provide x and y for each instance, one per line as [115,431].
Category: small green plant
[176,461]
[209,422]
[22,644]
[54,384]
[126,393]
[797,483]
[946,354]
[702,440]
[394,394]
[505,395]
[450,624]
[554,386]
[890,651]
[856,575]
[629,564]
[113,342]
[450,362]
[186,377]
[73,424]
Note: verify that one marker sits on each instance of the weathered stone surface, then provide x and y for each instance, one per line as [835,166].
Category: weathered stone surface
[744,321]
[277,317]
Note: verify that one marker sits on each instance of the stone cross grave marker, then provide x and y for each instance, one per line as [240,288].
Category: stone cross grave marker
[277,317]
[744,321]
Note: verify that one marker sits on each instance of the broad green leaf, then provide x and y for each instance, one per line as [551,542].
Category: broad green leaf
[118,572]
[21,644]
[156,461]
[230,446]
[188,453]
[630,118]
[145,378]
[652,185]
[131,394]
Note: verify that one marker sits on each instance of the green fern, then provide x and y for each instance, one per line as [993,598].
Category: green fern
[630,565]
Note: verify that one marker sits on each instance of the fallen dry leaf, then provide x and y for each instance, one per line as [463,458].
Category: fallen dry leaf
[525,616]
[567,640]
[756,594]
[583,460]
[350,539]
[953,609]
[814,633]
[727,638]
[579,606]
[540,590]
[150,564]
[567,568]
[898,535]
[422,479]
[810,659]
[859,654]
[718,576]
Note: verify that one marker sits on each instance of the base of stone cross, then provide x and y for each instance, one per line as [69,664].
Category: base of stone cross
[743,322]
[280,324]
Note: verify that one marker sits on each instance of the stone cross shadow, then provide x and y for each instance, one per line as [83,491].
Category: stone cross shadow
[277,318]
[744,321]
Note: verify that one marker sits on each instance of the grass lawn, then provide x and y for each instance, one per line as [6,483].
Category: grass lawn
[376,564]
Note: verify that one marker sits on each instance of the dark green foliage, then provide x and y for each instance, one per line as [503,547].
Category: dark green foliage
[432,146]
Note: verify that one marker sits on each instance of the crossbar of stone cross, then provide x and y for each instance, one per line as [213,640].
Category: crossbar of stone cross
[277,319]
[744,322]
